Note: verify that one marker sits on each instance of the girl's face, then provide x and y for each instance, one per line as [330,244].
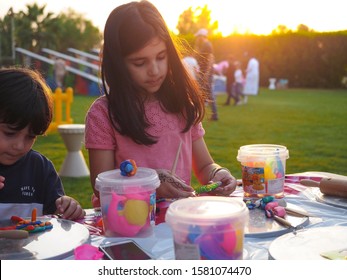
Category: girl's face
[14,144]
[148,67]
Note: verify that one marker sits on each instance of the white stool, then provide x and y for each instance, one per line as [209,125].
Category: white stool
[74,164]
[272,83]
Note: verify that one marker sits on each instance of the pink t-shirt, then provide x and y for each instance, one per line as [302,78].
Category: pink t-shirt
[99,134]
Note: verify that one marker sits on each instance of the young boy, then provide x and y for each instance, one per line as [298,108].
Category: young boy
[27,178]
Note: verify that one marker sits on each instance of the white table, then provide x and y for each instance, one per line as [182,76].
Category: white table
[160,245]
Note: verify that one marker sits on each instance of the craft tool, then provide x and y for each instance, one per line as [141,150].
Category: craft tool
[14,234]
[173,169]
[208,188]
[328,186]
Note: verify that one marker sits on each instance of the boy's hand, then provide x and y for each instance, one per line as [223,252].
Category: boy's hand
[172,186]
[69,208]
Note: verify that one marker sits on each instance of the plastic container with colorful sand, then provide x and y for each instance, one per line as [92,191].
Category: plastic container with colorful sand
[208,227]
[263,169]
[128,203]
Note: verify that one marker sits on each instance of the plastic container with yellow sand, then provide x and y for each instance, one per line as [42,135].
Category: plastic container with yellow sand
[263,169]
[128,203]
[208,227]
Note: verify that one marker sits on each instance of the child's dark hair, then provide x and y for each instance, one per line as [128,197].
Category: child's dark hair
[128,29]
[25,100]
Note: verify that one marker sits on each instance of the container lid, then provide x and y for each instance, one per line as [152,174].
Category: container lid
[262,150]
[205,210]
[112,180]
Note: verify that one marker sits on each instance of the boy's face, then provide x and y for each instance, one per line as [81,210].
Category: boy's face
[148,67]
[14,144]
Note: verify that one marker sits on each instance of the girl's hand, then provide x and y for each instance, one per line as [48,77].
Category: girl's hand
[228,182]
[69,208]
[172,186]
[2,182]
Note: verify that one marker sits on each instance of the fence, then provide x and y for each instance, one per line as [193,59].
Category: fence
[61,98]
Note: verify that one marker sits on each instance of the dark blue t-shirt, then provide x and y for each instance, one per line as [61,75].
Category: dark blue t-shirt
[31,181]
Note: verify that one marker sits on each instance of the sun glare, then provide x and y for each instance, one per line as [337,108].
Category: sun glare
[260,17]
[230,21]
[233,16]
[242,21]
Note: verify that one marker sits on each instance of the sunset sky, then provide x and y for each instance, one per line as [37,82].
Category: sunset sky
[251,16]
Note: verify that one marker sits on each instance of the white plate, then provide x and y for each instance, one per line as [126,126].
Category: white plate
[308,244]
[57,243]
[260,226]
[332,200]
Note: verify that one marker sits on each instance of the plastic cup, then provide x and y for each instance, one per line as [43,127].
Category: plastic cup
[263,169]
[208,227]
[128,203]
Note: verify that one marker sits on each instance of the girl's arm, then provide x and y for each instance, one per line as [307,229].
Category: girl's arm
[103,160]
[207,170]
[203,163]
[100,161]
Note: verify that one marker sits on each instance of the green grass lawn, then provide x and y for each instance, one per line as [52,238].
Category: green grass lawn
[311,123]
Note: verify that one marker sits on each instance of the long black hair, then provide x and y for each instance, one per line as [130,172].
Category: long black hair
[128,29]
[25,100]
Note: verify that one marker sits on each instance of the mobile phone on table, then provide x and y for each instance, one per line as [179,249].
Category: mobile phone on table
[127,250]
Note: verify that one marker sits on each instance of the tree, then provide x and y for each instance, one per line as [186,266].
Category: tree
[281,29]
[304,28]
[7,38]
[190,21]
[77,32]
[31,30]
[36,29]
[186,22]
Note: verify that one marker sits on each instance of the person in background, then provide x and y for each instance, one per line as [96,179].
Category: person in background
[189,60]
[59,72]
[205,58]
[192,65]
[252,78]
[229,74]
[237,89]
[151,107]
[28,179]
